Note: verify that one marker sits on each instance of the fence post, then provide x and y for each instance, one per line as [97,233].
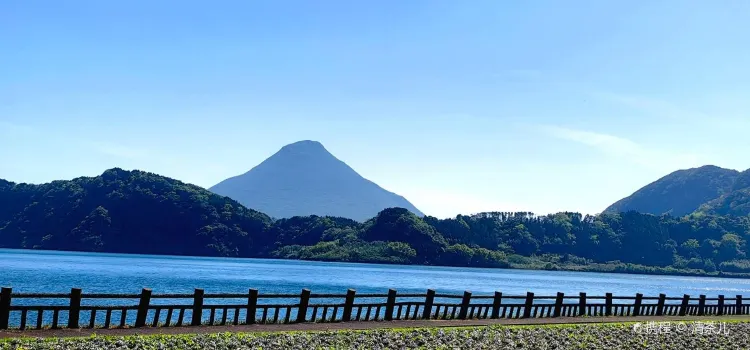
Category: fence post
[252,305]
[684,305]
[496,305]
[304,301]
[608,304]
[5,296]
[638,303]
[660,305]
[701,305]
[558,304]
[348,305]
[720,310]
[738,305]
[197,307]
[74,313]
[582,304]
[463,314]
[140,317]
[390,304]
[429,300]
[528,305]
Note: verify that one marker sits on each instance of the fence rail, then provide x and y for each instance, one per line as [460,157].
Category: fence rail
[75,310]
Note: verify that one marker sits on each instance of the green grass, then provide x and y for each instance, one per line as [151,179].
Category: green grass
[405,329]
[597,336]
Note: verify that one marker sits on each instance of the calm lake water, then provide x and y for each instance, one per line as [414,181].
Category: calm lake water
[48,271]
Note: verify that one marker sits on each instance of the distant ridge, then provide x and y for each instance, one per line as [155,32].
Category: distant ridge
[303,178]
[681,192]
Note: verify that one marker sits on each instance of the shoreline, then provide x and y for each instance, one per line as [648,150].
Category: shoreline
[590,268]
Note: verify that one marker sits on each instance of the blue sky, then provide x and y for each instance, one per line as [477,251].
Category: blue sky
[460,106]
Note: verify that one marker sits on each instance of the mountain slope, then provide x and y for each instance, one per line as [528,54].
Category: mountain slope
[736,202]
[303,178]
[126,212]
[679,193]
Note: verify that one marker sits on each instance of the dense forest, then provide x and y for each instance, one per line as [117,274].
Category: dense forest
[735,202]
[139,212]
[709,189]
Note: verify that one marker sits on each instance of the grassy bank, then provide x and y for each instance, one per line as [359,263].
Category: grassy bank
[558,263]
[534,263]
[736,335]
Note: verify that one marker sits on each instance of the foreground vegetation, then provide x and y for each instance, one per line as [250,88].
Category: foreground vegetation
[138,212]
[736,335]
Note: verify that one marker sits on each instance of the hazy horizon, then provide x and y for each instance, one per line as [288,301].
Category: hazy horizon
[439,216]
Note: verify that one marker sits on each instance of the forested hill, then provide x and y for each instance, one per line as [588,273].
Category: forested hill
[734,202]
[139,212]
[679,193]
[126,212]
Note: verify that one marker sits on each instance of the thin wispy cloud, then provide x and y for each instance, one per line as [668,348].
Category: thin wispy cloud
[645,104]
[623,148]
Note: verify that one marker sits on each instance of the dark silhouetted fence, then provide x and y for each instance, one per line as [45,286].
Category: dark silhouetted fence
[79,310]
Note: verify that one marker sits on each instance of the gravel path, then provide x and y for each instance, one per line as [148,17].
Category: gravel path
[59,333]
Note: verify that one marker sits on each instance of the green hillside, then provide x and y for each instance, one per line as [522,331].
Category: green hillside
[138,212]
[126,212]
[679,193]
[735,202]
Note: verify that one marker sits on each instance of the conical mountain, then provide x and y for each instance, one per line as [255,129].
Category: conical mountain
[303,178]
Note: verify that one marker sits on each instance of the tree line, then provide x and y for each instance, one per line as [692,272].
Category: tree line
[139,212]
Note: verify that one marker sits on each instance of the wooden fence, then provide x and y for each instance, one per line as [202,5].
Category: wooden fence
[79,310]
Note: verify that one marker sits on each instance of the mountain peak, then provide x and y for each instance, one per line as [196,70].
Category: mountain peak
[303,151]
[305,145]
[302,179]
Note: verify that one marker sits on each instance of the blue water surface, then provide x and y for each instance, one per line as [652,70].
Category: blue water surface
[29,271]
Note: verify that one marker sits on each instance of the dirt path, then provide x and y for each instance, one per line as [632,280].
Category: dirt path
[353,326]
